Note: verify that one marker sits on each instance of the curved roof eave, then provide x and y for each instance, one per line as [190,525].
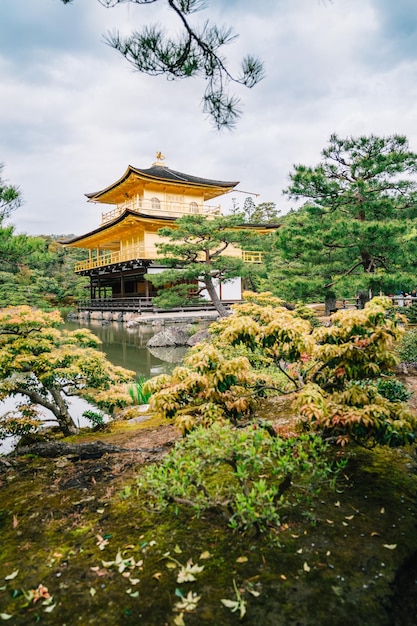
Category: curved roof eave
[164,174]
[117,220]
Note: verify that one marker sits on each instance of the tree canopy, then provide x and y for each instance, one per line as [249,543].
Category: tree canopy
[46,366]
[196,255]
[356,229]
[262,213]
[10,197]
[197,52]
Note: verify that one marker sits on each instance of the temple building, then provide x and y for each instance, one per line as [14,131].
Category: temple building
[122,249]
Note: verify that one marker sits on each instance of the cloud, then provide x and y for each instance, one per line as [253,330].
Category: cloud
[73,114]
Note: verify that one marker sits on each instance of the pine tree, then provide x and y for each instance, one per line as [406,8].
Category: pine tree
[197,257]
[357,229]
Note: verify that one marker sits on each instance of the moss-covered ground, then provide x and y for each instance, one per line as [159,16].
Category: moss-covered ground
[82,531]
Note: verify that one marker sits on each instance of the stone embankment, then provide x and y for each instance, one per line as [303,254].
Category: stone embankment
[132,319]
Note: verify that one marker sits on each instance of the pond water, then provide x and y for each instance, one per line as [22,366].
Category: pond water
[127,347]
[123,346]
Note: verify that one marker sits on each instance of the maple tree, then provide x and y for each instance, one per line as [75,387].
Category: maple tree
[333,373]
[46,365]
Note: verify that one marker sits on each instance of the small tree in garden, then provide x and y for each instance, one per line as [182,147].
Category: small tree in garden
[47,365]
[332,373]
[196,253]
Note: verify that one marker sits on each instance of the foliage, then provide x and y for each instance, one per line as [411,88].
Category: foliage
[320,366]
[393,390]
[47,365]
[10,197]
[196,52]
[37,271]
[207,388]
[407,348]
[263,213]
[410,312]
[356,230]
[244,474]
[196,253]
[96,418]
[137,393]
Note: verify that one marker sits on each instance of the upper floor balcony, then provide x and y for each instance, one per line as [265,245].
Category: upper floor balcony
[154,206]
[147,253]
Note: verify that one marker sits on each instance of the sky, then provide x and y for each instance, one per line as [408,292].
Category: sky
[74,114]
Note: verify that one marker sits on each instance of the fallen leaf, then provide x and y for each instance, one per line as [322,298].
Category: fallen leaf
[382,511]
[12,575]
[329,521]
[177,549]
[337,503]
[15,521]
[170,565]
[349,517]
[300,551]
[92,592]
[374,534]
[306,567]
[179,621]
[98,571]
[283,576]
[5,616]
[157,575]
[101,542]
[390,546]
[186,573]
[242,559]
[205,555]
[188,603]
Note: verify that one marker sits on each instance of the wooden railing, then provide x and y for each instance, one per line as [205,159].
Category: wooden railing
[140,252]
[165,209]
[143,305]
[110,258]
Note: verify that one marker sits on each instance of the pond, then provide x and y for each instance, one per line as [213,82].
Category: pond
[127,347]
[123,346]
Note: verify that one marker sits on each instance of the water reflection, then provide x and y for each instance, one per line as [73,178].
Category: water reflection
[127,347]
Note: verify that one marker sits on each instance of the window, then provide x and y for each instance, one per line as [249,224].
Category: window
[193,207]
[155,204]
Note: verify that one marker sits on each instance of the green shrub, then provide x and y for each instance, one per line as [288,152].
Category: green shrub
[407,349]
[245,474]
[393,390]
[410,313]
[137,393]
[96,418]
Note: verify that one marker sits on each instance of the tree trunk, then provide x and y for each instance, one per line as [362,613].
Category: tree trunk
[90,450]
[65,420]
[218,305]
[58,407]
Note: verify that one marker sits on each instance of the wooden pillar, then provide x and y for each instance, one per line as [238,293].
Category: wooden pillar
[122,285]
